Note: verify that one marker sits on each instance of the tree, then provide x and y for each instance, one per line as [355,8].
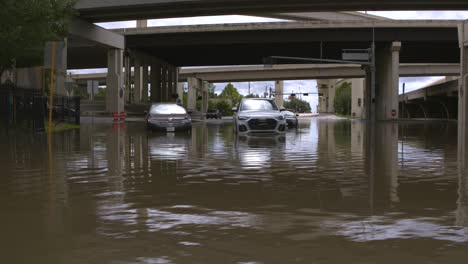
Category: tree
[297,105]
[342,101]
[211,90]
[25,27]
[230,92]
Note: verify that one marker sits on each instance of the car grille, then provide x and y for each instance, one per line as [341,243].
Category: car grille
[262,124]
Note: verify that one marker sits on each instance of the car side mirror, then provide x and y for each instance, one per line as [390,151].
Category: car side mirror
[145,112]
[234,109]
[297,114]
[189,112]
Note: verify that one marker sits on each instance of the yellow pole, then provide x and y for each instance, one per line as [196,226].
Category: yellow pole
[51,95]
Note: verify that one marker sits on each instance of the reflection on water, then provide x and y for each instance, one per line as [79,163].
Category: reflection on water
[319,194]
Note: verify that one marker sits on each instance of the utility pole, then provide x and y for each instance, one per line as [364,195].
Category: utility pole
[249,88]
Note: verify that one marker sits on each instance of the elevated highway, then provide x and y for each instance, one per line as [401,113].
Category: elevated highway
[290,72]
[118,10]
[249,44]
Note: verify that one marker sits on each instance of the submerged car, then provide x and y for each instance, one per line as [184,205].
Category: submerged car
[291,118]
[168,117]
[258,115]
[213,113]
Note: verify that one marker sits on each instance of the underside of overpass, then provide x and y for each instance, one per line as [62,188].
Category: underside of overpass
[119,10]
[250,47]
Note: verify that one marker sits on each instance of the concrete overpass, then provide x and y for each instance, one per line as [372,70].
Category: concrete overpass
[439,100]
[249,44]
[118,10]
[290,72]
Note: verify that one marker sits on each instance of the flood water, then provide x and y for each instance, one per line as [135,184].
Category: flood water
[322,194]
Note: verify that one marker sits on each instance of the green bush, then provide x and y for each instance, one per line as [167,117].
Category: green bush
[342,101]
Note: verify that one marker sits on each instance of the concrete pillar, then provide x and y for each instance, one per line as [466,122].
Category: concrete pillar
[61,73]
[387,74]
[170,82]
[205,97]
[115,91]
[156,82]
[194,85]
[331,96]
[357,98]
[164,84]
[127,78]
[92,89]
[279,90]
[144,84]
[326,87]
[462,203]
[138,81]
[180,91]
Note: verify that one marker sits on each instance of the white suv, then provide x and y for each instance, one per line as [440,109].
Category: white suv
[258,115]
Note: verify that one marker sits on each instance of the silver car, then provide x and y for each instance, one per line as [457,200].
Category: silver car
[291,118]
[258,115]
[168,117]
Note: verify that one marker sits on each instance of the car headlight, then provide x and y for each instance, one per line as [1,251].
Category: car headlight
[242,118]
[281,117]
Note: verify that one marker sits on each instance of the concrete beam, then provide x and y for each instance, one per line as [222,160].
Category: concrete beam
[294,72]
[118,10]
[87,31]
[326,16]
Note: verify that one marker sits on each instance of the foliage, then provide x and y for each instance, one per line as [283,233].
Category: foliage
[225,108]
[252,96]
[211,91]
[101,94]
[297,105]
[230,92]
[25,27]
[342,101]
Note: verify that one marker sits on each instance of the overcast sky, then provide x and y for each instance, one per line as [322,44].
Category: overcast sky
[309,86]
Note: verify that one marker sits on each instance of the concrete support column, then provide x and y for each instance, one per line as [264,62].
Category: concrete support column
[462,203]
[156,82]
[331,96]
[279,90]
[357,98]
[327,90]
[61,73]
[170,82]
[387,74]
[180,91]
[194,85]
[205,97]
[144,84]
[138,81]
[164,84]
[127,78]
[115,91]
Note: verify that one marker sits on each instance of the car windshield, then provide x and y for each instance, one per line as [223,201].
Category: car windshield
[258,105]
[288,113]
[167,109]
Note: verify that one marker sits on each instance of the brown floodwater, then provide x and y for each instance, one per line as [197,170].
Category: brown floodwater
[323,193]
